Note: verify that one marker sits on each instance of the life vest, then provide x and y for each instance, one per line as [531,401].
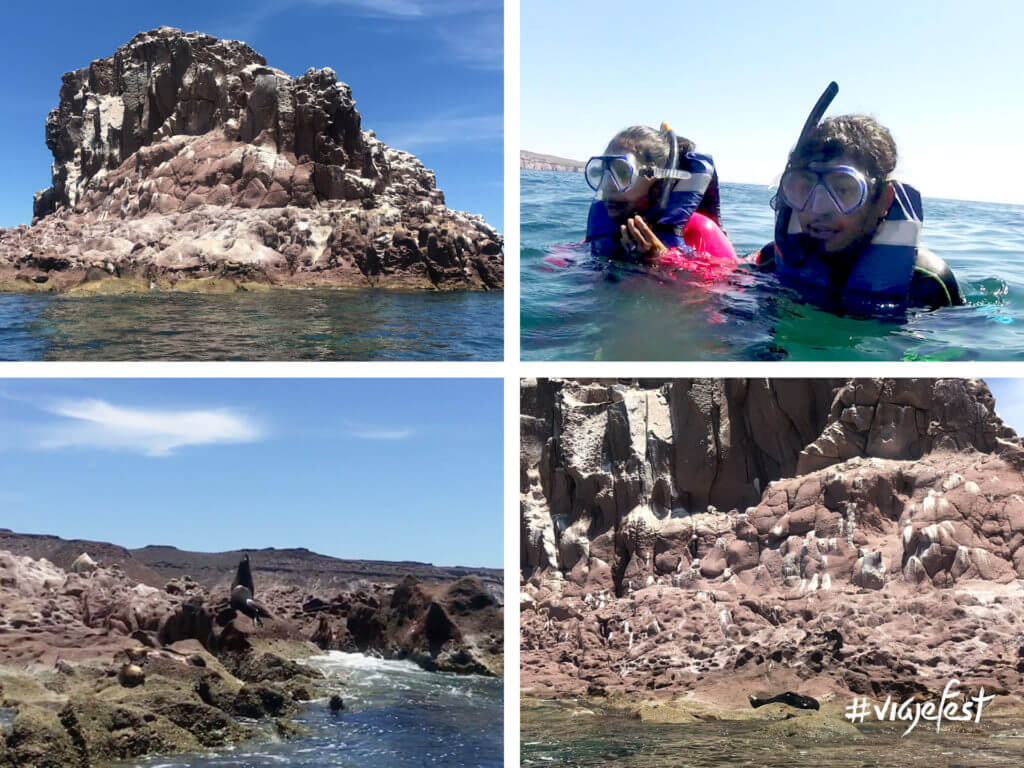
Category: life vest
[668,222]
[880,279]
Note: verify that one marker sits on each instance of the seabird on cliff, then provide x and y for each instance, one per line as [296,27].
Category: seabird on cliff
[242,594]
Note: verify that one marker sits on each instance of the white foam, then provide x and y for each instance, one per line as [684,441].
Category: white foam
[361,662]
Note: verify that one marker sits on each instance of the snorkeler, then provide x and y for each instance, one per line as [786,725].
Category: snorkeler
[654,195]
[846,234]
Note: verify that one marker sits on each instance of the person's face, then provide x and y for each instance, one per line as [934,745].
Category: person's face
[634,199]
[835,230]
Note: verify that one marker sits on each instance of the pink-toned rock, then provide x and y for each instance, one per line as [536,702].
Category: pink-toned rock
[889,571]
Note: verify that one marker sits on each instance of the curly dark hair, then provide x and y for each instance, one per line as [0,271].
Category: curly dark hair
[866,140]
[651,146]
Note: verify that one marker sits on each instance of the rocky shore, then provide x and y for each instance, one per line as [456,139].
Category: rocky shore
[97,667]
[534,161]
[184,162]
[690,544]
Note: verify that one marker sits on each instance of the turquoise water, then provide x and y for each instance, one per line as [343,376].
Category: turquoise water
[587,311]
[281,325]
[396,716]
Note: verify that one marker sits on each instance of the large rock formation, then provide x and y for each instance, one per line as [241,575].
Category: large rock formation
[80,664]
[49,613]
[184,157]
[866,536]
[100,668]
[453,627]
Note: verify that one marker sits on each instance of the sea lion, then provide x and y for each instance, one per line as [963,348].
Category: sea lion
[131,675]
[242,592]
[789,698]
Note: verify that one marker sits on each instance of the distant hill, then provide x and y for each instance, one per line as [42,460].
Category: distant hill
[534,161]
[156,565]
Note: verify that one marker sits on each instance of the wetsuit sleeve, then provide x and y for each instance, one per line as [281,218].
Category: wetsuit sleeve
[934,284]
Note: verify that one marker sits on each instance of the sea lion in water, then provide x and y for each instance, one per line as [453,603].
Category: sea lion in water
[242,592]
[789,698]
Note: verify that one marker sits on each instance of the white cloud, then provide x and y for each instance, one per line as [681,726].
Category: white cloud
[365,432]
[151,432]
[415,8]
[469,31]
[478,43]
[447,129]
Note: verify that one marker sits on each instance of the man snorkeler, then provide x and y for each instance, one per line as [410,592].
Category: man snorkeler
[846,234]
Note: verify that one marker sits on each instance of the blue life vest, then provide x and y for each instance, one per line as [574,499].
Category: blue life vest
[668,223]
[879,280]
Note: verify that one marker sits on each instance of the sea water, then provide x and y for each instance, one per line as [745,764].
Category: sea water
[566,734]
[320,324]
[396,716]
[587,310]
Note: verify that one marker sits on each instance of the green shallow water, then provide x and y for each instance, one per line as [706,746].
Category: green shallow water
[562,734]
[319,324]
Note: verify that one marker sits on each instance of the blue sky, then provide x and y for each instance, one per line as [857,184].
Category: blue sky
[1009,394]
[739,78]
[426,75]
[387,469]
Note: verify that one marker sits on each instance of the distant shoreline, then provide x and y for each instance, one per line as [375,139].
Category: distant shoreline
[534,161]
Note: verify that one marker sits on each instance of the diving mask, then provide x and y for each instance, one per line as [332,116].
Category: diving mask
[824,188]
[615,174]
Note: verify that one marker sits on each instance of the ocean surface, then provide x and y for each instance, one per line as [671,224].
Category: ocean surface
[595,311]
[568,735]
[396,716]
[319,324]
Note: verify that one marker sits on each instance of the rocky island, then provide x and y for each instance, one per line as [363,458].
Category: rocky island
[694,548]
[185,162]
[108,656]
[534,161]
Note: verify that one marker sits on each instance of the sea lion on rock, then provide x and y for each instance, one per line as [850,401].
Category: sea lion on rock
[242,592]
[83,564]
[131,675]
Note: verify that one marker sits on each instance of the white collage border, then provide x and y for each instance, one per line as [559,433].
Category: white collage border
[511,371]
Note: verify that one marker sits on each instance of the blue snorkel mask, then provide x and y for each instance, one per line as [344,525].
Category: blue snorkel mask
[824,188]
[612,175]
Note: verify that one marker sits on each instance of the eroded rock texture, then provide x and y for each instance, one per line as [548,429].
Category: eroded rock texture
[863,536]
[185,156]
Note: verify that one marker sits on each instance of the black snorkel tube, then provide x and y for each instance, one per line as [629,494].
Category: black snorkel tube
[819,109]
[783,211]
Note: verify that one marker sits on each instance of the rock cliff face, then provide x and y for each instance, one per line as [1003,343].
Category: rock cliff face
[818,535]
[534,161]
[187,157]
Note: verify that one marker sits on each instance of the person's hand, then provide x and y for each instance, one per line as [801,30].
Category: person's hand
[636,231]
